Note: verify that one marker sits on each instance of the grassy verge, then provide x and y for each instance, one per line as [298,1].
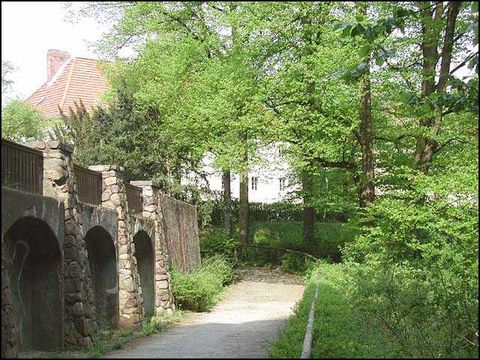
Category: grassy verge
[290,343]
[339,330]
[118,338]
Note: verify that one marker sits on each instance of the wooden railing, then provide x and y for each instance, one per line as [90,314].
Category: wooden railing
[269,254]
[134,197]
[89,184]
[22,167]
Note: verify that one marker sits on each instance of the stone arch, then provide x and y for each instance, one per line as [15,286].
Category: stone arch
[103,267]
[33,261]
[146,270]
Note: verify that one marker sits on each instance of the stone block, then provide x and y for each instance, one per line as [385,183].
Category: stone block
[150,208]
[72,285]
[110,181]
[86,341]
[131,303]
[53,163]
[90,325]
[106,194]
[77,309]
[115,199]
[128,284]
[130,310]
[81,326]
[72,297]
[135,319]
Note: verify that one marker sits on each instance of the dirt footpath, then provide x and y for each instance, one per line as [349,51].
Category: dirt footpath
[243,325]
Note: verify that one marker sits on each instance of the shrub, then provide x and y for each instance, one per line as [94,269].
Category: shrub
[339,330]
[201,289]
[294,263]
[278,211]
[214,241]
[22,122]
[329,237]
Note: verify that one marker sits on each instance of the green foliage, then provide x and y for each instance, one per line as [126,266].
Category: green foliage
[157,324]
[21,122]
[279,73]
[296,263]
[329,237]
[418,267]
[201,289]
[7,70]
[280,211]
[112,341]
[214,241]
[290,343]
[345,333]
[363,311]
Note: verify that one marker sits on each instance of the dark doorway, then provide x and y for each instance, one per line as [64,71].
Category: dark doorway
[34,276]
[103,267]
[145,265]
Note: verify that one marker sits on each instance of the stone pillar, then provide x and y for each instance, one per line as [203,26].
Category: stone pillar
[114,197]
[164,302]
[59,182]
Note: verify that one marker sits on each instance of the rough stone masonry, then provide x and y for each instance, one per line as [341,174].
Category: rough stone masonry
[103,282]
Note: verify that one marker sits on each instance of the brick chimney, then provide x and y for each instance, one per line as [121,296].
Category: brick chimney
[55,59]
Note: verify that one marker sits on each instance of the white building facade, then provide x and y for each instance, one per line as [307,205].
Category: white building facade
[269,181]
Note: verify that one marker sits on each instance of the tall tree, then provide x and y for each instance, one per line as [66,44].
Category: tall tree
[367,188]
[434,23]
[227,202]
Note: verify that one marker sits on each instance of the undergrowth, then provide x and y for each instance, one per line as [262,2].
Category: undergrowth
[201,289]
[339,330]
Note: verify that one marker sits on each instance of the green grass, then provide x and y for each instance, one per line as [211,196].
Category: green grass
[290,343]
[329,237]
[339,330]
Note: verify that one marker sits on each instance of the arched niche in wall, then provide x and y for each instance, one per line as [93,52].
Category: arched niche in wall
[103,267]
[145,266]
[33,263]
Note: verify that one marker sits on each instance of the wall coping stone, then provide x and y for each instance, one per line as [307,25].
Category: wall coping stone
[103,168]
[52,144]
[144,183]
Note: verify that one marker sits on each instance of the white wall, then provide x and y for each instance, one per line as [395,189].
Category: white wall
[271,167]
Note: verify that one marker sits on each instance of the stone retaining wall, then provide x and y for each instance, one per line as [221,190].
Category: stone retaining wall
[171,226]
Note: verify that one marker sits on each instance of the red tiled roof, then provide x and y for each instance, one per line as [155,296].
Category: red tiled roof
[79,78]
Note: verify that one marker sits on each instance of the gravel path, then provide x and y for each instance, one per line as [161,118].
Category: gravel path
[243,325]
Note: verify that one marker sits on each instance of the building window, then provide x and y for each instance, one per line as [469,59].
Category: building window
[254,183]
[283,184]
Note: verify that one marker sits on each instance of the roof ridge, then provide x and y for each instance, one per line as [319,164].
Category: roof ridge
[68,84]
[85,58]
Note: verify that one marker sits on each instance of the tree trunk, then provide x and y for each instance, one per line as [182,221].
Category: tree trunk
[308,211]
[367,187]
[243,215]
[431,30]
[227,201]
